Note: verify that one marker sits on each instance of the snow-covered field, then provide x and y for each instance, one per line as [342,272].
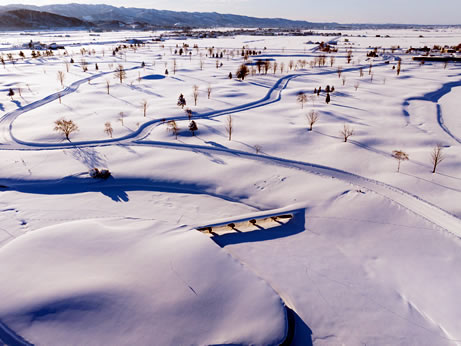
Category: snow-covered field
[370,256]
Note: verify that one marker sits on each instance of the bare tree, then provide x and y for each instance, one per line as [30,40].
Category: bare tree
[174,66]
[346,132]
[349,56]
[301,98]
[436,157]
[66,127]
[108,129]
[361,71]
[84,65]
[120,73]
[400,156]
[344,80]
[209,91]
[339,71]
[332,61]
[108,86]
[229,126]
[312,118]
[144,107]
[399,67]
[122,116]
[61,77]
[195,93]
[356,85]
[258,148]
[173,128]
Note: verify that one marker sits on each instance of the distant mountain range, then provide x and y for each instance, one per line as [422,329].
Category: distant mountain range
[26,19]
[97,15]
[19,16]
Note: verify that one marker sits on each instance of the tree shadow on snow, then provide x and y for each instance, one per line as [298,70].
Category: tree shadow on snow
[17,103]
[88,156]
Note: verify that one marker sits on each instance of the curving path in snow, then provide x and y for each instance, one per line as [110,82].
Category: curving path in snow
[274,94]
[435,97]
[412,202]
[424,209]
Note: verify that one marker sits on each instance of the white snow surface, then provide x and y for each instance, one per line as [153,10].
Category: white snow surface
[372,256]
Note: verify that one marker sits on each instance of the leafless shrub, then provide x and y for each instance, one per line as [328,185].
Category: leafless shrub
[120,73]
[332,61]
[436,157]
[84,65]
[66,127]
[229,127]
[108,129]
[173,128]
[61,77]
[195,93]
[144,107]
[312,118]
[346,132]
[301,98]
[209,91]
[400,156]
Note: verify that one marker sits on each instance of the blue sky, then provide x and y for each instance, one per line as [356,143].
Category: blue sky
[343,11]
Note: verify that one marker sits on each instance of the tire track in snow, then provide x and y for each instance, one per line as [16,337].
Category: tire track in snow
[411,202]
[7,121]
[273,95]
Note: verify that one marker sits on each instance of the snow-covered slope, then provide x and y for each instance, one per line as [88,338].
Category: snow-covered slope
[371,255]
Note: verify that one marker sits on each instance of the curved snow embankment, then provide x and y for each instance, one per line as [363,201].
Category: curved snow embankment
[448,113]
[440,96]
